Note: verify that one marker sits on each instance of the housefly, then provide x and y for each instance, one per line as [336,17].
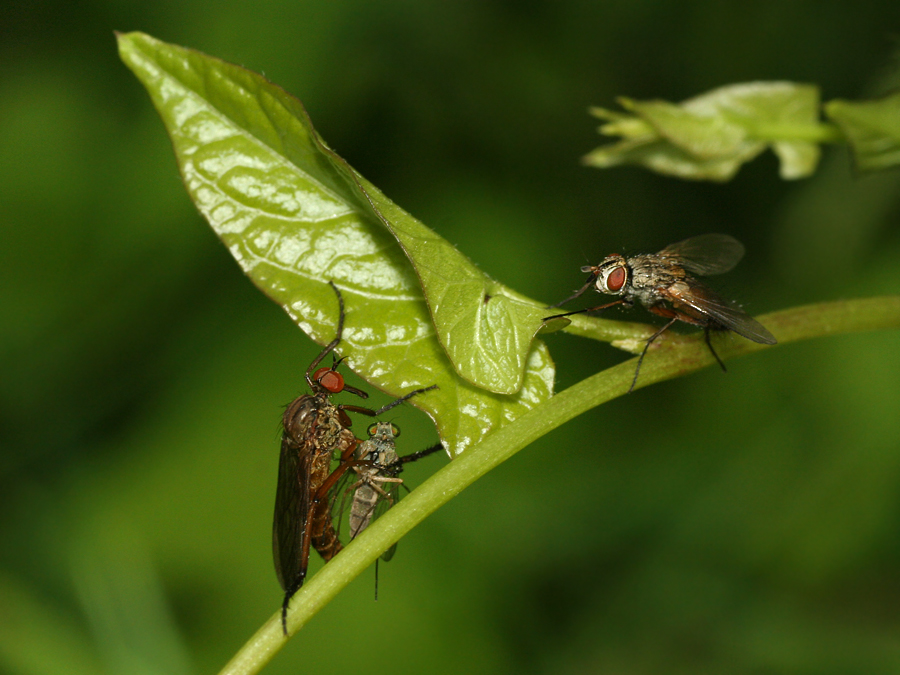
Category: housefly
[316,431]
[662,283]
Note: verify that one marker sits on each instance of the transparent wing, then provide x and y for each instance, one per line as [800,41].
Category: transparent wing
[704,301]
[362,508]
[707,254]
[382,507]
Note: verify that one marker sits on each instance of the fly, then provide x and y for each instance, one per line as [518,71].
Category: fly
[378,467]
[315,432]
[377,488]
[662,283]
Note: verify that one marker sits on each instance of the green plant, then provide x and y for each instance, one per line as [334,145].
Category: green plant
[296,216]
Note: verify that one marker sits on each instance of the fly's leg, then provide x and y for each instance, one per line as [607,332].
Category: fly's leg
[584,311]
[385,408]
[706,332]
[373,483]
[331,345]
[646,347]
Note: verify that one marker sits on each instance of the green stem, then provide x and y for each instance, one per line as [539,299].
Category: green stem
[812,133]
[672,358]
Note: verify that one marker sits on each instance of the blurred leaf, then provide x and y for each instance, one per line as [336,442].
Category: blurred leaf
[873,129]
[124,599]
[295,216]
[36,637]
[708,137]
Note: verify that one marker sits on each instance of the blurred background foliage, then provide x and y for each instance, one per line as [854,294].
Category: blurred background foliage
[747,522]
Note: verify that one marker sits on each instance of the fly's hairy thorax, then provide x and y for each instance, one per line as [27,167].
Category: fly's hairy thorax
[314,425]
[651,274]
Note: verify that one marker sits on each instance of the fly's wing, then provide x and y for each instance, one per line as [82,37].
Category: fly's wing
[707,254]
[292,504]
[701,299]
[382,507]
[344,492]
[364,500]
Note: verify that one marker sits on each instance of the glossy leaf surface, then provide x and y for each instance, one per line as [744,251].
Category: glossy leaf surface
[295,216]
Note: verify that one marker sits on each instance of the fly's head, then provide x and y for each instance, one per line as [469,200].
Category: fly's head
[611,276]
[381,437]
[383,432]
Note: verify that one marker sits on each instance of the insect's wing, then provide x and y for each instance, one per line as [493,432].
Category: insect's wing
[342,492]
[382,507]
[292,504]
[707,254]
[701,299]
[364,500]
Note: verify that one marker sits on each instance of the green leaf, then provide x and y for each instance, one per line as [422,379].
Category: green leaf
[295,216]
[710,136]
[873,129]
[485,327]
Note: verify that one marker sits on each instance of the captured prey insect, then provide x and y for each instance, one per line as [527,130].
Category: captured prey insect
[316,431]
[662,282]
[378,470]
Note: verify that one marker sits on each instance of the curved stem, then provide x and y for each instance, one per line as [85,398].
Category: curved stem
[822,132]
[673,357]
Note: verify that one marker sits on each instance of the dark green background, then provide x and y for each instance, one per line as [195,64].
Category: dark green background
[739,523]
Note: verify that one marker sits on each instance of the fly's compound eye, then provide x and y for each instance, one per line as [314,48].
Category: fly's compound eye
[372,430]
[329,379]
[613,281]
[395,430]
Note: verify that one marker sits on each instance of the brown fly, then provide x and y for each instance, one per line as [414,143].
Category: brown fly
[662,282]
[316,431]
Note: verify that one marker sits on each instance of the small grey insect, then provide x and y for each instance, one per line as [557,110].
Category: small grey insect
[378,469]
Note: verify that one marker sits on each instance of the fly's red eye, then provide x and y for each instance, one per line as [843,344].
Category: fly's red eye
[372,430]
[330,380]
[616,279]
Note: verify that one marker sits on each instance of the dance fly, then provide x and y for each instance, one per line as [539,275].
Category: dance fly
[316,431]
[377,488]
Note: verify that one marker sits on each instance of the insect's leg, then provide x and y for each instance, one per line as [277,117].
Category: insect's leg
[412,457]
[589,309]
[374,480]
[687,318]
[713,351]
[357,409]
[332,479]
[646,347]
[331,345]
[577,293]
[400,400]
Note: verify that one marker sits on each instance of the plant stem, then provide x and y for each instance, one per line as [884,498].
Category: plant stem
[812,133]
[671,357]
